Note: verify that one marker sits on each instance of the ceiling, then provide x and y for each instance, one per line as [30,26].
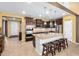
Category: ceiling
[35,9]
[73,6]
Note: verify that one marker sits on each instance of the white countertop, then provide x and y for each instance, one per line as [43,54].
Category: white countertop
[45,38]
[47,35]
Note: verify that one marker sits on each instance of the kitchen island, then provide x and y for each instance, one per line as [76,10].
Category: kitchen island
[45,38]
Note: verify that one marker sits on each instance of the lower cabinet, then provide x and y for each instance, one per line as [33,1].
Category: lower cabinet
[29,37]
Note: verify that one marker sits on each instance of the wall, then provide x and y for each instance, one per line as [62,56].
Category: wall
[73,18]
[0,24]
[77,29]
[23,25]
[13,15]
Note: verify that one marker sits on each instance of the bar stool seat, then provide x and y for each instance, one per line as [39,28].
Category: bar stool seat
[45,49]
[48,48]
[56,45]
[62,43]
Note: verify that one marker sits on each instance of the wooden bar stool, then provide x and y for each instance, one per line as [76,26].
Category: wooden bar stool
[62,43]
[66,42]
[45,49]
[48,48]
[52,48]
[56,45]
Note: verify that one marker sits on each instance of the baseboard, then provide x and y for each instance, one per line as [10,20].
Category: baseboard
[76,43]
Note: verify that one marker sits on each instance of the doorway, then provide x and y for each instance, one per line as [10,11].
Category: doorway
[68,29]
[11,26]
[14,28]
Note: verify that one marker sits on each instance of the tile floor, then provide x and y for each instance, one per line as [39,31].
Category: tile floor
[13,47]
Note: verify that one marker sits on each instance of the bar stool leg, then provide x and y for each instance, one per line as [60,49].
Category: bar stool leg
[59,48]
[66,43]
[53,52]
[45,51]
[64,46]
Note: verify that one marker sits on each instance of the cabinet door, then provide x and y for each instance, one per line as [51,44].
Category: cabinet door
[39,22]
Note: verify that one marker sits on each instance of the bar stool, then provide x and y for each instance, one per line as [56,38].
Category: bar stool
[56,45]
[45,49]
[62,43]
[52,48]
[66,42]
[48,48]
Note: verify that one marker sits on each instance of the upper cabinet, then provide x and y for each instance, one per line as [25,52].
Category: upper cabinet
[41,23]
[59,21]
[30,21]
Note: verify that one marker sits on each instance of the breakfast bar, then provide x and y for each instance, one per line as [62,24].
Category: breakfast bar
[45,38]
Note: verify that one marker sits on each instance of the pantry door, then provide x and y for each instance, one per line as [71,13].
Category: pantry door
[67,29]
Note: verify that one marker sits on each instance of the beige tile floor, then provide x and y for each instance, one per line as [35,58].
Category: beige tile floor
[13,47]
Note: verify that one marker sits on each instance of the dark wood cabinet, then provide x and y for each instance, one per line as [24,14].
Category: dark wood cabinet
[39,23]
[59,21]
[1,43]
[47,25]
[30,21]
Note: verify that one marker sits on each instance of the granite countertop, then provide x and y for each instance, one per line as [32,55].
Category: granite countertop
[38,30]
[48,35]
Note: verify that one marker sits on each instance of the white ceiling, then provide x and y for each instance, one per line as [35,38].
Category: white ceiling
[33,9]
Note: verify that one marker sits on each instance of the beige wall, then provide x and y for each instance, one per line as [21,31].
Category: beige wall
[23,28]
[13,15]
[0,24]
[73,18]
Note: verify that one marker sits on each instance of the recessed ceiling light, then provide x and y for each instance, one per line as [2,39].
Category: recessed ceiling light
[23,12]
[47,12]
[40,15]
[64,14]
